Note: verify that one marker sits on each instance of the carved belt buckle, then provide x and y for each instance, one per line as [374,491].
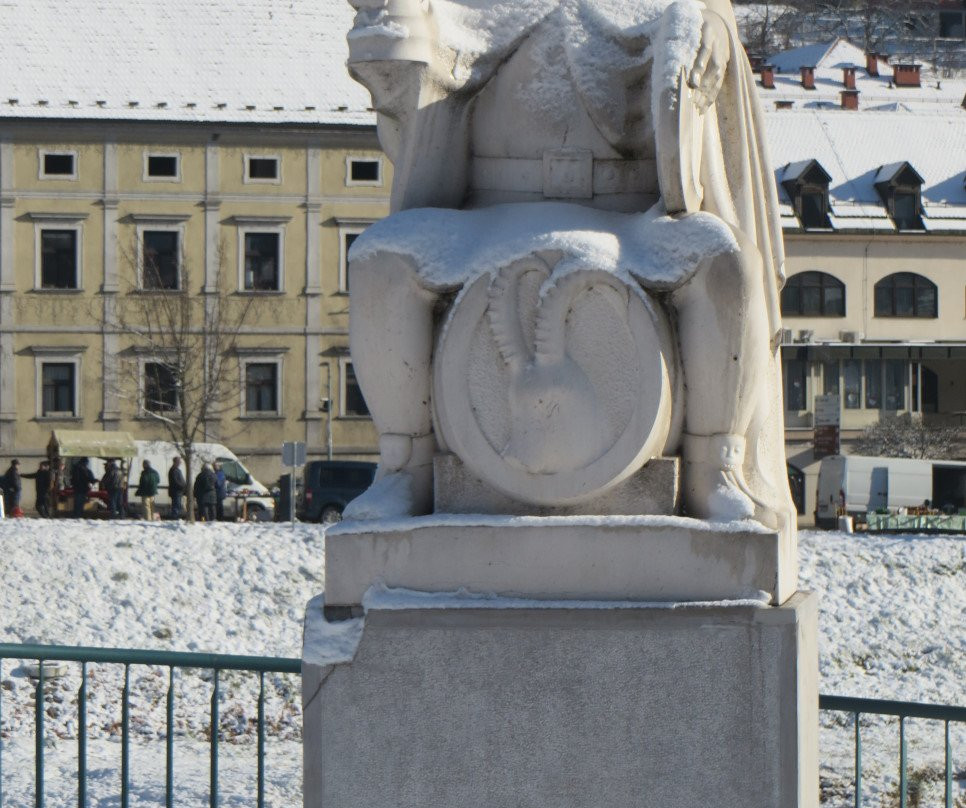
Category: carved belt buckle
[568,174]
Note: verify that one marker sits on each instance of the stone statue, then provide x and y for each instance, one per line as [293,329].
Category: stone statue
[582,267]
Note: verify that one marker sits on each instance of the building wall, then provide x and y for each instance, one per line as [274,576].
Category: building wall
[860,262]
[313,204]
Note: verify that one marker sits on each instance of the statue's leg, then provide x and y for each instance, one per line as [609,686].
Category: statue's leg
[723,333]
[391,338]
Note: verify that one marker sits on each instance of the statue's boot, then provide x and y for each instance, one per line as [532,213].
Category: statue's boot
[714,482]
[403,485]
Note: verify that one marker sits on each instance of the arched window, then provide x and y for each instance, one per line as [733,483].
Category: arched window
[813,294]
[906,294]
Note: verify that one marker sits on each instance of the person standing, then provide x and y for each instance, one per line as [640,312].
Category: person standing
[82,480]
[111,483]
[221,491]
[12,487]
[176,487]
[147,489]
[42,479]
[205,491]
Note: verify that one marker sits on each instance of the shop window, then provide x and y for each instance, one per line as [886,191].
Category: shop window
[796,376]
[852,382]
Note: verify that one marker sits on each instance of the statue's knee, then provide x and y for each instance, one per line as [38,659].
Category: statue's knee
[385,271]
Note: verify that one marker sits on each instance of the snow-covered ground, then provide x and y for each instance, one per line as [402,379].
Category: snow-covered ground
[892,626]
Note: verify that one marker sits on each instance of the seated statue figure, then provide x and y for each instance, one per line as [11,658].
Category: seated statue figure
[643,111]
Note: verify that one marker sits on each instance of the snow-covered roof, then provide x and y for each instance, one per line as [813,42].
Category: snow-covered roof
[236,61]
[829,59]
[855,146]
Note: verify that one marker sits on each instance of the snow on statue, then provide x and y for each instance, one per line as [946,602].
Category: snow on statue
[582,267]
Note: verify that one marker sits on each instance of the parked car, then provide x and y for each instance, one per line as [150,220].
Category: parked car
[329,485]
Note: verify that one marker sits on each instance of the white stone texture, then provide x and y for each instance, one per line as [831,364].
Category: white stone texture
[645,558]
[575,708]
[654,489]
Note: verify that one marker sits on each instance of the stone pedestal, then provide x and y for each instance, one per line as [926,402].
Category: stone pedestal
[594,707]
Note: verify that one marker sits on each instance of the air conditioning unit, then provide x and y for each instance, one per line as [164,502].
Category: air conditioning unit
[851,336]
[806,335]
[787,336]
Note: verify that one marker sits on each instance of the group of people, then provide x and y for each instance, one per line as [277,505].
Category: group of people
[210,488]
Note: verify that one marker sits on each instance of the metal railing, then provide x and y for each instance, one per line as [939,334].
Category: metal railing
[903,710]
[261,665]
[128,657]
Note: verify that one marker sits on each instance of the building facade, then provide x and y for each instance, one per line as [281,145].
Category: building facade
[189,169]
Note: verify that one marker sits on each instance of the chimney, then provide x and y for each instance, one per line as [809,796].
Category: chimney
[790,104]
[906,74]
[808,77]
[848,77]
[757,61]
[872,63]
[768,77]
[850,99]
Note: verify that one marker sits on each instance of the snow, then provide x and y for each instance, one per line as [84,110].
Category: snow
[452,247]
[891,626]
[256,61]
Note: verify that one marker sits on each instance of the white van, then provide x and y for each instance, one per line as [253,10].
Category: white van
[859,485]
[242,486]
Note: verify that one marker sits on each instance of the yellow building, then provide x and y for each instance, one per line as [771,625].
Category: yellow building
[145,149]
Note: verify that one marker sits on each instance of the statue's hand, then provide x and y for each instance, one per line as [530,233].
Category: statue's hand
[708,72]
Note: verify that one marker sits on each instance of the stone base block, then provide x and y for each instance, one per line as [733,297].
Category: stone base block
[654,489]
[644,558]
[682,707]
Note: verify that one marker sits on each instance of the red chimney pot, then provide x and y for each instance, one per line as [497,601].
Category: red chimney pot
[808,77]
[850,99]
[848,78]
[768,77]
[872,63]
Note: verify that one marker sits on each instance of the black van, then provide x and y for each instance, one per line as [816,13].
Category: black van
[329,485]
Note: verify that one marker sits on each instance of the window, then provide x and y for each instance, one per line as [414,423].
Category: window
[349,231]
[58,389]
[160,259]
[852,380]
[235,472]
[261,169]
[160,393]
[813,294]
[900,188]
[262,261]
[830,378]
[906,294]
[261,388]
[59,258]
[363,171]
[162,167]
[60,165]
[353,402]
[896,375]
[952,24]
[873,384]
[806,184]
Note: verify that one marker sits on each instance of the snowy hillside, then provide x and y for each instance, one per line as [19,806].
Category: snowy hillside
[892,626]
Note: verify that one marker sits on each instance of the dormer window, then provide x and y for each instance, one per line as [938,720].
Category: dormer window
[806,184]
[900,187]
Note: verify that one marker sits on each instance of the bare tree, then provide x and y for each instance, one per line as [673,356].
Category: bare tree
[767,26]
[182,365]
[905,436]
